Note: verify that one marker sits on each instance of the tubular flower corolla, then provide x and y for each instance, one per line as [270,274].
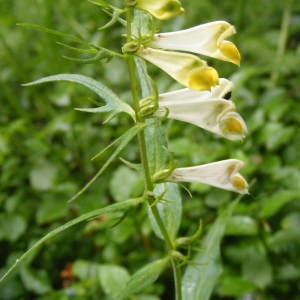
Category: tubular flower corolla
[223,174]
[207,110]
[206,39]
[187,69]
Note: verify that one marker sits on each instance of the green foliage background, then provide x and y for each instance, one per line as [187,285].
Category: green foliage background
[46,146]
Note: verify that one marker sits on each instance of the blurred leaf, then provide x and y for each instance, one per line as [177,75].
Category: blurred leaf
[113,102]
[202,274]
[257,268]
[43,175]
[291,220]
[241,225]
[122,183]
[169,208]
[12,226]
[50,210]
[235,286]
[143,277]
[283,239]
[272,205]
[113,279]
[275,135]
[36,281]
[84,269]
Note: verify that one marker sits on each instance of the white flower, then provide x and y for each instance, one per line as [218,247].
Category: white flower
[206,39]
[223,174]
[187,69]
[208,110]
[161,9]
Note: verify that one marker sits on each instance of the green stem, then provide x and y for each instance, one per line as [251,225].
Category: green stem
[144,158]
[283,36]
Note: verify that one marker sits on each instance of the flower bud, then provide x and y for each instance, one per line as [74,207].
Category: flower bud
[161,9]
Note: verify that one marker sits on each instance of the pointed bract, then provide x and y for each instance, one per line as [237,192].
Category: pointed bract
[206,39]
[187,69]
[223,174]
[161,9]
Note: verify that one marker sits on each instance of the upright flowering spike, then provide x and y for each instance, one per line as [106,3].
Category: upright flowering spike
[207,110]
[161,9]
[223,174]
[187,69]
[206,39]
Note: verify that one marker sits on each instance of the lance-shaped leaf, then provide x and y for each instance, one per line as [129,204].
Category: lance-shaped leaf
[169,209]
[143,277]
[204,270]
[187,69]
[223,174]
[113,103]
[117,207]
[203,109]
[161,9]
[206,39]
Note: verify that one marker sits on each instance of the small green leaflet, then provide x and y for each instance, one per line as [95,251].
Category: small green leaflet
[143,278]
[117,207]
[113,103]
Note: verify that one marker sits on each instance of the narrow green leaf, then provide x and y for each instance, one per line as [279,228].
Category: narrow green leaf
[117,207]
[203,272]
[113,102]
[114,19]
[101,3]
[54,32]
[90,50]
[143,277]
[169,208]
[123,141]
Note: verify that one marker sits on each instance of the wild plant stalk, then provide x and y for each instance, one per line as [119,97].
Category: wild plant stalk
[202,103]
[149,186]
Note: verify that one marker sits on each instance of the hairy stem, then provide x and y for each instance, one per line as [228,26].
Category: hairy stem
[149,186]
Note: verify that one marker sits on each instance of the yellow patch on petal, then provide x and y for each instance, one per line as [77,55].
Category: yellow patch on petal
[232,125]
[239,182]
[230,51]
[161,9]
[203,79]
[170,10]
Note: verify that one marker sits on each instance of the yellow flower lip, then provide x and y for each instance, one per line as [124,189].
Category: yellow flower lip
[203,79]
[230,51]
[161,9]
[239,182]
[233,126]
